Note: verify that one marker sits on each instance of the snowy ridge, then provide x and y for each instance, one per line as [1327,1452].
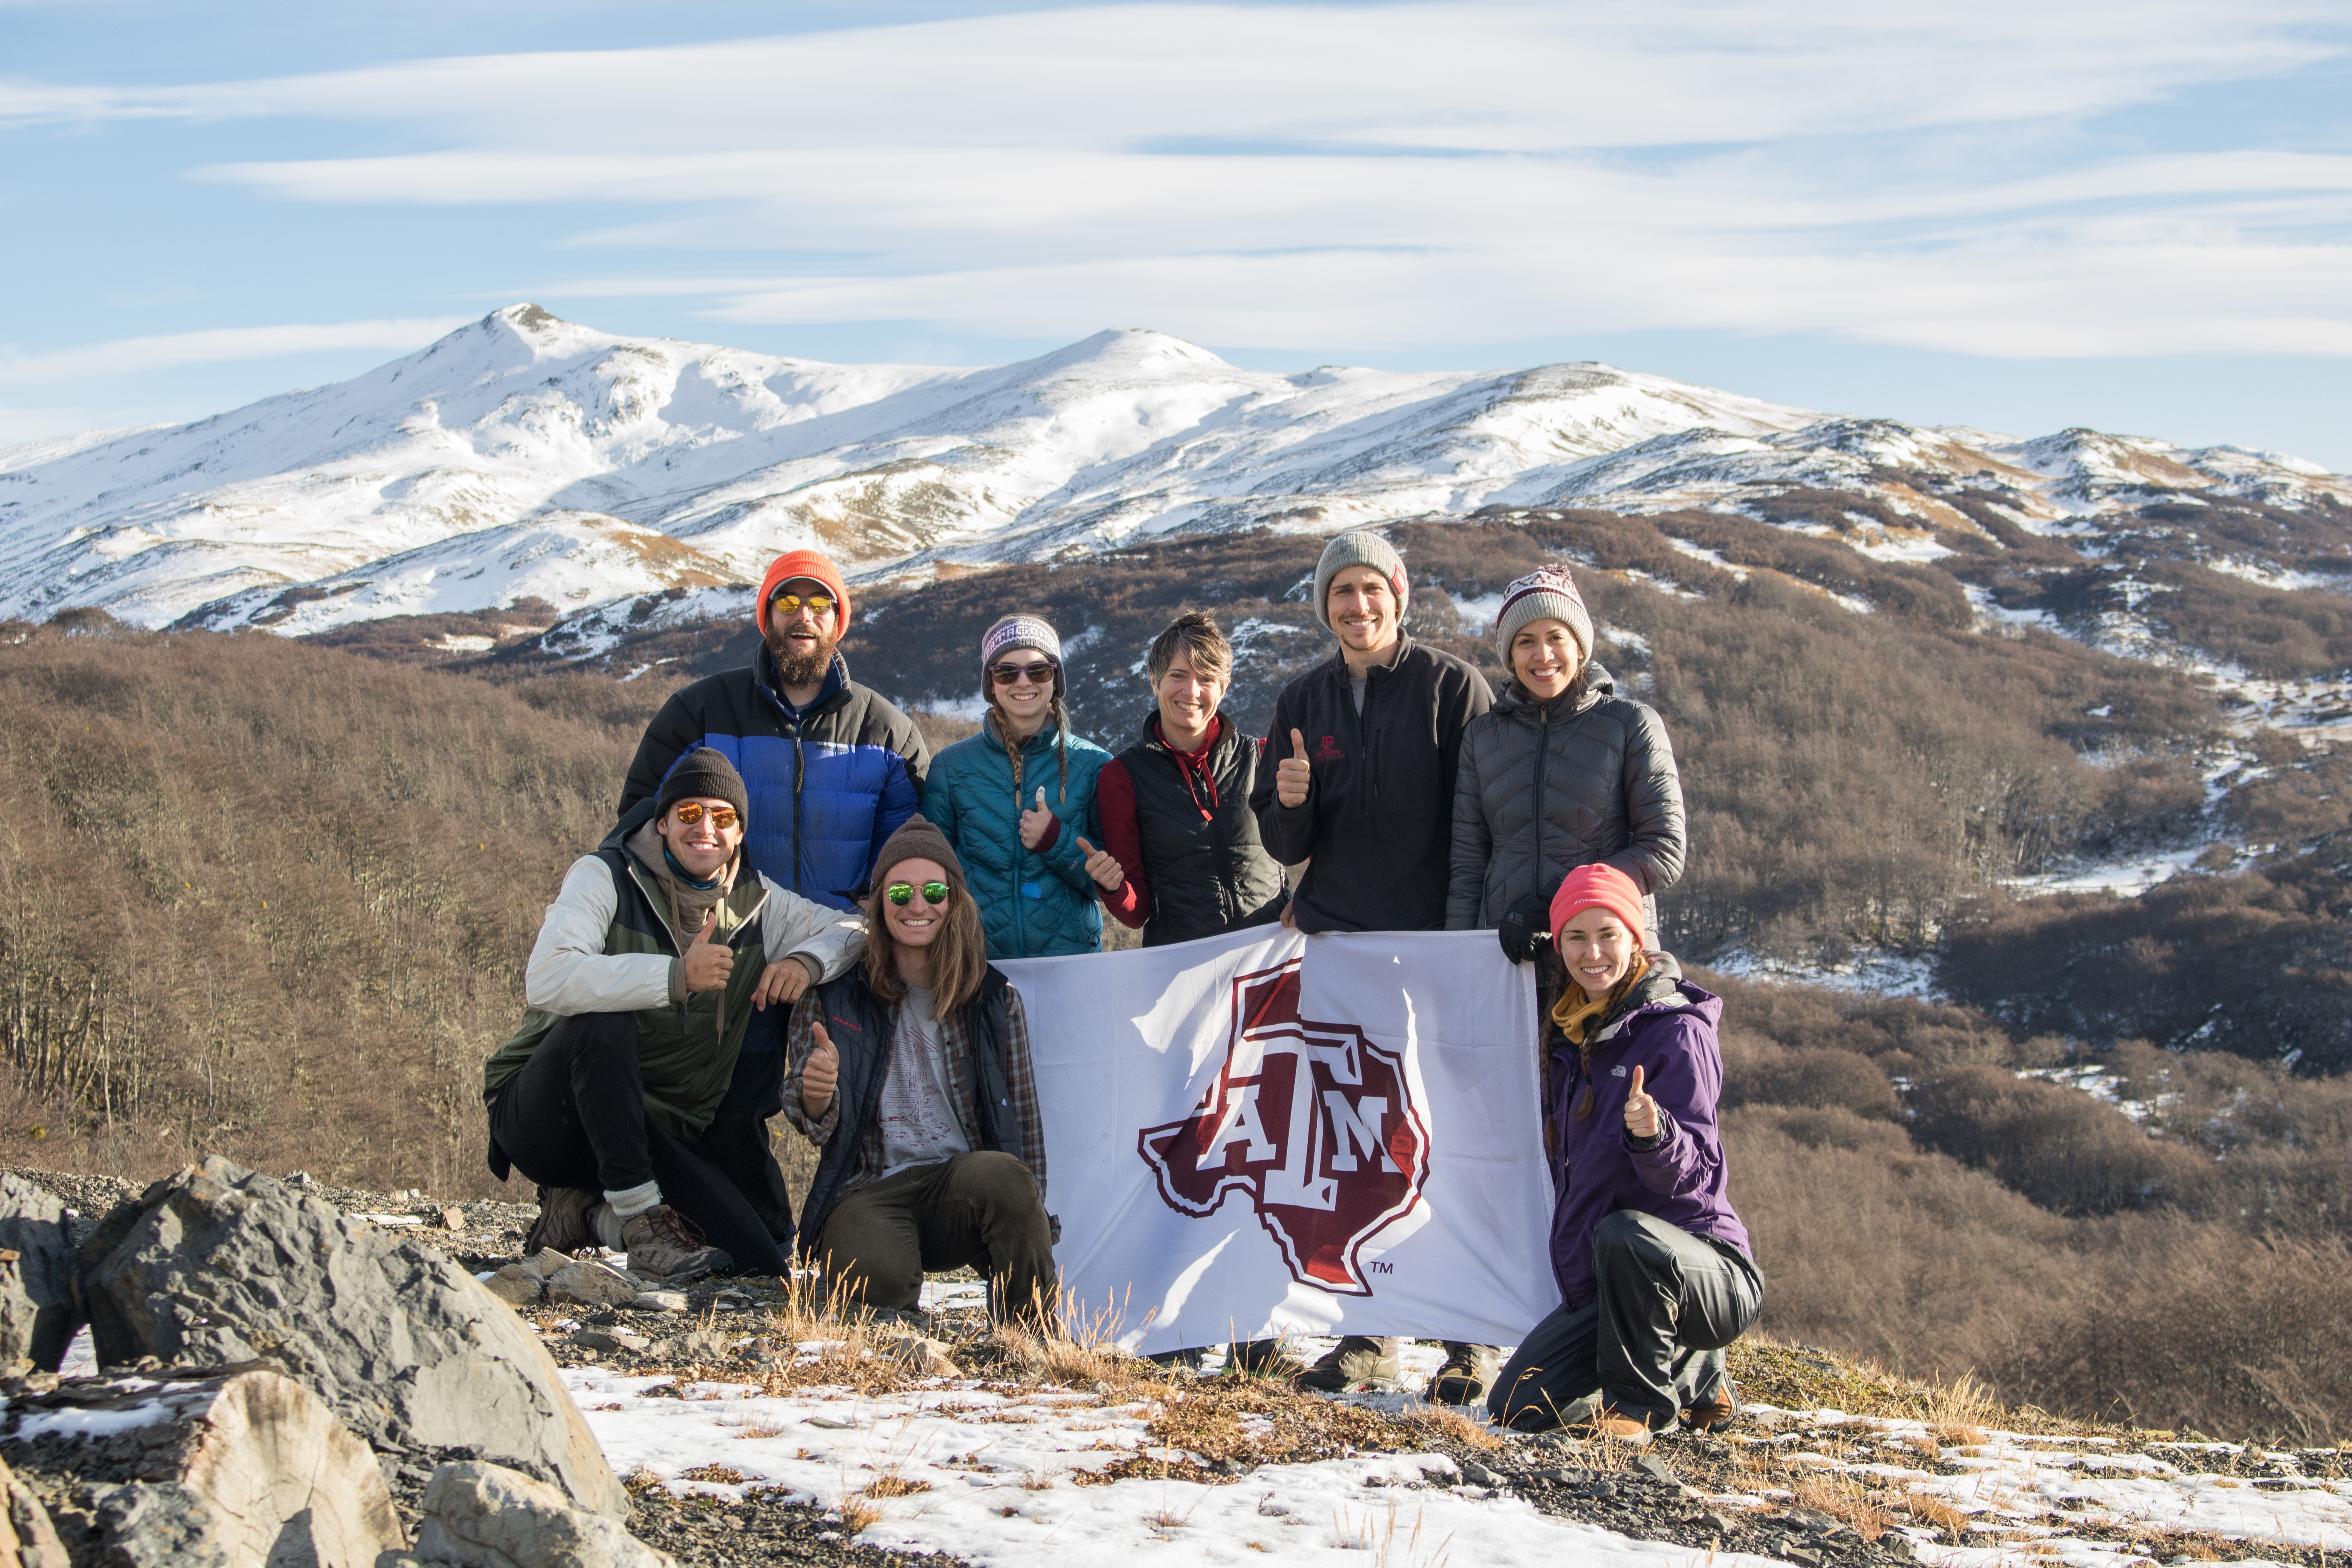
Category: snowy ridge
[523,456]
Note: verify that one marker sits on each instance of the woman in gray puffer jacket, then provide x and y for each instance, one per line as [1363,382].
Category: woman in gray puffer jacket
[1561,773]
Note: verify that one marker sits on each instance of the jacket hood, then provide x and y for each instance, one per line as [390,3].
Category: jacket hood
[1599,686]
[1662,990]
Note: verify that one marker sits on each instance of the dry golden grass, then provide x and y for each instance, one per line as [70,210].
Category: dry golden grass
[1937,1511]
[857,1513]
[891,1484]
[1843,1498]
[756,1427]
[1448,1422]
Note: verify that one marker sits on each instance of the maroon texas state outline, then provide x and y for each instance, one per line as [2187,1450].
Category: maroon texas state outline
[1329,1159]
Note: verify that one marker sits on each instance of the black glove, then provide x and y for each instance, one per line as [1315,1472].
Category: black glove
[1526,930]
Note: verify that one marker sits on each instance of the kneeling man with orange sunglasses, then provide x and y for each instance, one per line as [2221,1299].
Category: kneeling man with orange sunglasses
[639,1000]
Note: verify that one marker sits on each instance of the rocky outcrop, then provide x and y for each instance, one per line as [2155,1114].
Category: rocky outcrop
[219,1265]
[483,1516]
[38,1312]
[27,1538]
[241,1469]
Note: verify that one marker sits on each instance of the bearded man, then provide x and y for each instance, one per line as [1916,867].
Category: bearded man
[832,770]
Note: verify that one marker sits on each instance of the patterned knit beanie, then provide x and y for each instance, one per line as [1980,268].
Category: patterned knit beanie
[1548,593]
[1019,631]
[1358,548]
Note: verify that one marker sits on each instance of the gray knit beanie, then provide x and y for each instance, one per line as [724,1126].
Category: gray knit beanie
[1358,548]
[1548,593]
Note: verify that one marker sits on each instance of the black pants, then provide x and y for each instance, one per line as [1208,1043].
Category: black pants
[575,1117]
[1649,1345]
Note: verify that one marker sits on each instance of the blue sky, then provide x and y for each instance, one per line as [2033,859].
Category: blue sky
[2134,215]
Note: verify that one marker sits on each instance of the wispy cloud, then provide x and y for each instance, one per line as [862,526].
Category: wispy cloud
[172,351]
[1911,174]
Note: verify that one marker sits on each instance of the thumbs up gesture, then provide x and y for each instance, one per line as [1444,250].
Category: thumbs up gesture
[1103,867]
[1036,823]
[819,1074]
[1640,1111]
[1290,774]
[708,961]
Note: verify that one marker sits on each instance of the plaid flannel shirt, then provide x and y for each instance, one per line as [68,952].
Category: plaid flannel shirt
[955,1047]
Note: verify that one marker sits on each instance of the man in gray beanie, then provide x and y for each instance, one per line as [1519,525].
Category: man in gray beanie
[1365,745]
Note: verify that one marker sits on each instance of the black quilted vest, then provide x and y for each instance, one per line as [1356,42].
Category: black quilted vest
[861,1028]
[1209,874]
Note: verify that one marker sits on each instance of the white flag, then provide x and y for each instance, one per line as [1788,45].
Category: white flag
[1269,1133]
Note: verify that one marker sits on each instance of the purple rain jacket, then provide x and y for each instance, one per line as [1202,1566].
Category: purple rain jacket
[1668,1028]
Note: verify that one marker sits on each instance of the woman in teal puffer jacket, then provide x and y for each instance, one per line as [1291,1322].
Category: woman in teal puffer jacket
[1017,801]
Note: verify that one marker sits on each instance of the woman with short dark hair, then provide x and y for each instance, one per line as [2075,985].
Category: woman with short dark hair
[1175,811]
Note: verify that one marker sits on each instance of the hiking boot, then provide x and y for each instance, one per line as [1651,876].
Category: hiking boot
[664,1245]
[1629,1430]
[1468,1373]
[1263,1358]
[1714,1413]
[562,1223]
[1355,1359]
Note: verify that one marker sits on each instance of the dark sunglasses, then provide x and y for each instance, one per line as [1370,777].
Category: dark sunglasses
[903,893]
[721,816]
[1038,674]
[792,604]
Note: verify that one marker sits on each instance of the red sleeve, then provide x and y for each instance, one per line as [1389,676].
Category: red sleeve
[1123,837]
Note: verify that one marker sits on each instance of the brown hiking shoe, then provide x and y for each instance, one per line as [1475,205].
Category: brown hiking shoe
[563,1222]
[1356,1359]
[664,1245]
[1468,1373]
[1715,1413]
[1629,1430]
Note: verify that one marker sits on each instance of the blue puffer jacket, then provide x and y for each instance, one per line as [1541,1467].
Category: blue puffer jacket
[828,783]
[1034,903]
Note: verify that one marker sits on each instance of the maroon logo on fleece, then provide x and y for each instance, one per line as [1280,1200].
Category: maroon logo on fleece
[1313,1121]
[1327,750]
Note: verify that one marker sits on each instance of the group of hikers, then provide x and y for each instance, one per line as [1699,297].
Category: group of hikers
[797,911]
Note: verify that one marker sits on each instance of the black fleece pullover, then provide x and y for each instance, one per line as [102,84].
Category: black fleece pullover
[1377,823]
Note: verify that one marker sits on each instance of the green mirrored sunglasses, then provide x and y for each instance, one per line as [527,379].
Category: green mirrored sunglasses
[903,893]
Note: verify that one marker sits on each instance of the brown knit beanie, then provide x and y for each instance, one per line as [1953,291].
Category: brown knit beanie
[917,840]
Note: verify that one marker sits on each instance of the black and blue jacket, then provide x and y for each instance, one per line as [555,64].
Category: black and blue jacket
[828,783]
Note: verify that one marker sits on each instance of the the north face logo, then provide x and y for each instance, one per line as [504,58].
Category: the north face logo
[1312,1121]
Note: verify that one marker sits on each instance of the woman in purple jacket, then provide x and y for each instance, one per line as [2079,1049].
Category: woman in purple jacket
[1653,1264]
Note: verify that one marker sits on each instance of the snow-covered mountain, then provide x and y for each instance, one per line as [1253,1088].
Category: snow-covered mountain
[525,457]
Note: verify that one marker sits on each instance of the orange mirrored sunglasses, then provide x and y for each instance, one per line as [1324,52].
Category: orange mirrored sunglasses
[721,816]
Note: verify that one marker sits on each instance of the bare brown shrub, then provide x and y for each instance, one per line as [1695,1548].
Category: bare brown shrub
[2062,1149]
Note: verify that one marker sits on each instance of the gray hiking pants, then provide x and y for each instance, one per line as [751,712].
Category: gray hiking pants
[1650,1344]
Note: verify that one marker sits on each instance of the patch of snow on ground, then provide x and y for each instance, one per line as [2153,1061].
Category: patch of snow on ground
[1699,552]
[2101,1085]
[2126,878]
[1877,973]
[1478,613]
[996,1473]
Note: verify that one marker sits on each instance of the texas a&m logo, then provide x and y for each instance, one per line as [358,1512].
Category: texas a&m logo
[1313,1121]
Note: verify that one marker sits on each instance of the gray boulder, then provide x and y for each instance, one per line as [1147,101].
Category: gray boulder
[38,1314]
[481,1516]
[220,1265]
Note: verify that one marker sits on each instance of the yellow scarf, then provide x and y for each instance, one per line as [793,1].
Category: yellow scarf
[1578,1010]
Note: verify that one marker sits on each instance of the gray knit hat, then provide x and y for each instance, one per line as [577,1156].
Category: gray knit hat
[1357,548]
[1020,631]
[1548,593]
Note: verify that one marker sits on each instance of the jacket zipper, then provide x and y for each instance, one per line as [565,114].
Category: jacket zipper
[1543,750]
[799,774]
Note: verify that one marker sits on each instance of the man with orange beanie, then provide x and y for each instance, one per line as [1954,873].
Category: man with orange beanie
[832,768]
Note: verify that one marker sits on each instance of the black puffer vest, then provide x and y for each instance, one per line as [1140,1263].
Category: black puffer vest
[1207,869]
[862,1026]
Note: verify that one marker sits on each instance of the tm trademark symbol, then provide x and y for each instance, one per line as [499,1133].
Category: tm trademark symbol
[1383,1268]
